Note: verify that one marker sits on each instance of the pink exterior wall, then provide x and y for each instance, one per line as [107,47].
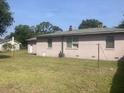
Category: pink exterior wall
[88,48]
[34,48]
[43,50]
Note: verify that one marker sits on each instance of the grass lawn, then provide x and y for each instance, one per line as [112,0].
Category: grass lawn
[26,73]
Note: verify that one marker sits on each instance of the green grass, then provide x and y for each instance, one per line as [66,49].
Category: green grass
[26,73]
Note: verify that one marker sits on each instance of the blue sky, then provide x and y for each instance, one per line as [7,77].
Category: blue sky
[66,12]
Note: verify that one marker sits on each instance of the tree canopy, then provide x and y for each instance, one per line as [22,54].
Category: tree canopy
[121,25]
[90,23]
[9,36]
[43,28]
[56,28]
[46,27]
[23,32]
[7,46]
[6,18]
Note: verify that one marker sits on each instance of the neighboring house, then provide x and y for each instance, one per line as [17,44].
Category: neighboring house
[4,41]
[92,43]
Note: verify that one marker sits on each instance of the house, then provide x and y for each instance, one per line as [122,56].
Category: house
[4,41]
[92,43]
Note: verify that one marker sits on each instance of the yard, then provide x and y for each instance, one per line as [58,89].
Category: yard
[26,73]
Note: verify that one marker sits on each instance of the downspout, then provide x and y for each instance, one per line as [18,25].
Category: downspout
[62,46]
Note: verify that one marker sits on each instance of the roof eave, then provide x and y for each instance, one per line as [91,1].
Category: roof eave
[78,34]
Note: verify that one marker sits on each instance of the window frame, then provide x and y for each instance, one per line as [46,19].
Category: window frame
[49,42]
[110,42]
[73,42]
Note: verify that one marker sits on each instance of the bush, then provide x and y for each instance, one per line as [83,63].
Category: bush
[7,46]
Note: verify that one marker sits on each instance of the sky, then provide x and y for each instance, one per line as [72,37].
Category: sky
[64,13]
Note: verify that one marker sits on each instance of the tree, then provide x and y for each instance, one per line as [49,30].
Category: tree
[56,28]
[90,23]
[6,18]
[7,46]
[121,25]
[46,27]
[9,36]
[43,28]
[23,32]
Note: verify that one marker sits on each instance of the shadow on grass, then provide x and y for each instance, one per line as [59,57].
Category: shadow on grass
[4,56]
[118,79]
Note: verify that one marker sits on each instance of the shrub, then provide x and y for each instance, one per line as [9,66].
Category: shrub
[7,46]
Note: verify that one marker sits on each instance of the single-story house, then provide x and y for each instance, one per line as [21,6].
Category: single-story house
[92,43]
[4,41]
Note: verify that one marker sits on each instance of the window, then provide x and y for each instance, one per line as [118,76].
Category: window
[69,42]
[109,42]
[49,43]
[72,42]
[75,42]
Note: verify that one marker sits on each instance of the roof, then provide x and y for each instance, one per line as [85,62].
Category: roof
[89,31]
